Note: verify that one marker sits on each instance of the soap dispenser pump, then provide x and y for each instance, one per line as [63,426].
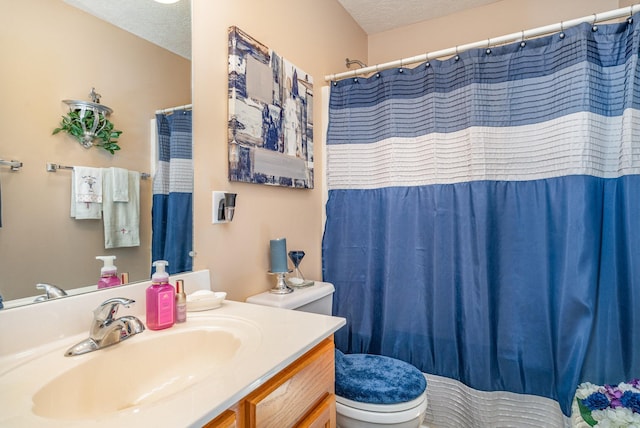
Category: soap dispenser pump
[108,272]
[160,299]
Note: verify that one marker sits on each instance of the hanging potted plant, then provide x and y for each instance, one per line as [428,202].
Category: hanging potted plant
[88,122]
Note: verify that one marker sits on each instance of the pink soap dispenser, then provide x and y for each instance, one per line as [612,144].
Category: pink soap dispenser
[108,272]
[160,299]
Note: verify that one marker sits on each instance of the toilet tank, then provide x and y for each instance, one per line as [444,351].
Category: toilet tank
[317,298]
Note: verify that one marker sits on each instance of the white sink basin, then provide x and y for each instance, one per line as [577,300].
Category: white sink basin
[141,370]
[252,344]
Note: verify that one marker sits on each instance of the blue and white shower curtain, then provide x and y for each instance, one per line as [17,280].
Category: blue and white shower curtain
[172,211]
[483,219]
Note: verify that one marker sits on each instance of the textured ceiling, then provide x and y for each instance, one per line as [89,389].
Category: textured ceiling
[375,16]
[166,25]
[169,25]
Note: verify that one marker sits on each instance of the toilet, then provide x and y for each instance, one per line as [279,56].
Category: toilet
[371,390]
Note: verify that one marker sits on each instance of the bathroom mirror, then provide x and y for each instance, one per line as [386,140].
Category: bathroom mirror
[54,51]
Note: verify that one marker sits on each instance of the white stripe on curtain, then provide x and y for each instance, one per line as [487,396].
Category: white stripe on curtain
[453,404]
[526,152]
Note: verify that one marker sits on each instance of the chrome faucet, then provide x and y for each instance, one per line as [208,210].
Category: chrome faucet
[106,330]
[51,292]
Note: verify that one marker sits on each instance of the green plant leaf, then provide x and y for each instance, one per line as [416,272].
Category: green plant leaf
[72,124]
[586,413]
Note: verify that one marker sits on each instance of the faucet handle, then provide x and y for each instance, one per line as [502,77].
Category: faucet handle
[52,291]
[108,309]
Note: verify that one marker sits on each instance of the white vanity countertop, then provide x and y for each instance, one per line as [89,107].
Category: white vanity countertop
[285,335]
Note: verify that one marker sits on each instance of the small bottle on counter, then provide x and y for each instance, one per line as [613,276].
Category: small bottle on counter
[181,302]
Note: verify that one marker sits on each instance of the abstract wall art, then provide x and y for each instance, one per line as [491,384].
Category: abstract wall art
[270,130]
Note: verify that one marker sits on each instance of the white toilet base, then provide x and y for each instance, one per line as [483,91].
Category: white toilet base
[350,417]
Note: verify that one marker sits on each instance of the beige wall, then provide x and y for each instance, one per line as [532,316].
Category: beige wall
[50,52]
[314,35]
[495,19]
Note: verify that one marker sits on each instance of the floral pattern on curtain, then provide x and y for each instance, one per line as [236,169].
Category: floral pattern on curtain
[483,219]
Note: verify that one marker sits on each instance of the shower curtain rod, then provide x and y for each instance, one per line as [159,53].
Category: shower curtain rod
[172,109]
[513,37]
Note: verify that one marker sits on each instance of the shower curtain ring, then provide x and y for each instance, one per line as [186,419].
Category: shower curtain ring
[562,29]
[401,70]
[630,19]
[355,76]
[594,27]
[523,43]
[457,57]
[488,46]
[377,71]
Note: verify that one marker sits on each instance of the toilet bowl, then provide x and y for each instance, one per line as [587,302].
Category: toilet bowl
[354,414]
[358,407]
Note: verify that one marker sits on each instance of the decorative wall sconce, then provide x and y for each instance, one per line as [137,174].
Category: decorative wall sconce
[88,121]
[223,206]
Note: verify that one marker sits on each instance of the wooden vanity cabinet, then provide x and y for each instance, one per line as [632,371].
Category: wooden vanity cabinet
[226,420]
[301,395]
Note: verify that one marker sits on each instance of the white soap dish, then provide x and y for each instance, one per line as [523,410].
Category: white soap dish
[204,300]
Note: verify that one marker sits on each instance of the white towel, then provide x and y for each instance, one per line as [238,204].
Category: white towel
[88,182]
[121,219]
[84,180]
[120,184]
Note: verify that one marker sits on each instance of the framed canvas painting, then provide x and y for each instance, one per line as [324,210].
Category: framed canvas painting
[270,130]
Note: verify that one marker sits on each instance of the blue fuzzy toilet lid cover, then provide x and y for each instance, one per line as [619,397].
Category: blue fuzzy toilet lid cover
[377,379]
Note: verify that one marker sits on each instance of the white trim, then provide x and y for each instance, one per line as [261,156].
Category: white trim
[153,148]
[324,186]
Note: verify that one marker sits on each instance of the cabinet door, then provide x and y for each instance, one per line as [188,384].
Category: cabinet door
[295,392]
[322,416]
[226,420]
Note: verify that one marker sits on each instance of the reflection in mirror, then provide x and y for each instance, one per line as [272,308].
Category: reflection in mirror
[51,52]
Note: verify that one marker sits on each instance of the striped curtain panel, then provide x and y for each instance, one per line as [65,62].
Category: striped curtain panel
[483,220]
[172,211]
